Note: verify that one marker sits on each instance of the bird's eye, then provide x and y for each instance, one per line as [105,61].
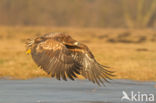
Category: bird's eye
[38,40]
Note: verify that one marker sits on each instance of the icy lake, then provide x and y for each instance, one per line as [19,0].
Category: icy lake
[45,90]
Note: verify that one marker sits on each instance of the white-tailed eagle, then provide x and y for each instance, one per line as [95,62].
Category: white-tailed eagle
[63,57]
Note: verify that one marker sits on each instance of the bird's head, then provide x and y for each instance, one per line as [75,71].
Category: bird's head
[29,43]
[32,42]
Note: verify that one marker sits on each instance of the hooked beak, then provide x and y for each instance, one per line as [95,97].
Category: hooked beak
[28,51]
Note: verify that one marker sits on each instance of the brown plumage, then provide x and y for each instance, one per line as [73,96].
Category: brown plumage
[63,57]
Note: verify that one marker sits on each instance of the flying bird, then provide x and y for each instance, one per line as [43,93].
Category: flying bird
[63,57]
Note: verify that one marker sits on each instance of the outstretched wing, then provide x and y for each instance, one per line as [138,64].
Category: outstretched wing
[55,59]
[91,69]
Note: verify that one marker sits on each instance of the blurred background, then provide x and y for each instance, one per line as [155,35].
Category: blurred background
[125,30]
[79,13]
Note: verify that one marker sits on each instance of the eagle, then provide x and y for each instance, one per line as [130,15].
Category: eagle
[64,58]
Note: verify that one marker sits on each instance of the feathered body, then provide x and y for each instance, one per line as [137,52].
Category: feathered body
[63,57]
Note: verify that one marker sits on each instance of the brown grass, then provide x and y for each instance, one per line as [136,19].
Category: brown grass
[131,53]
